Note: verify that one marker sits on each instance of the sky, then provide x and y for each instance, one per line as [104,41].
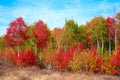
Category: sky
[55,12]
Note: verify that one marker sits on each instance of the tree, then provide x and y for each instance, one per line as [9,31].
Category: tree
[117,19]
[98,31]
[113,25]
[110,25]
[81,33]
[16,33]
[2,43]
[41,34]
[30,43]
[72,28]
[57,36]
[69,34]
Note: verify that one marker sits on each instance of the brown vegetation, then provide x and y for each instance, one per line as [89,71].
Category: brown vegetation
[8,72]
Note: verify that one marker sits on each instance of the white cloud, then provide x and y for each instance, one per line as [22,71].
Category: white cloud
[2,30]
[3,20]
[35,10]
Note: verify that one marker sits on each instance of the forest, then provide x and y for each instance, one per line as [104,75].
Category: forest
[91,47]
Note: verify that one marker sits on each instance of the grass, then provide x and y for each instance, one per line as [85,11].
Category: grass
[8,72]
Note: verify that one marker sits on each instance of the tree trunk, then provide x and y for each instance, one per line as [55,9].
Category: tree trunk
[109,47]
[35,49]
[5,59]
[102,46]
[86,68]
[115,42]
[18,50]
[98,46]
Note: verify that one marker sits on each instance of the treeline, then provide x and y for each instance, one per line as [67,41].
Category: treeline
[92,47]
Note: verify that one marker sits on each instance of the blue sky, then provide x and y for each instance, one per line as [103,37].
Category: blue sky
[54,12]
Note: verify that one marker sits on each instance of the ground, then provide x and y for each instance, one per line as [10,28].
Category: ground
[35,73]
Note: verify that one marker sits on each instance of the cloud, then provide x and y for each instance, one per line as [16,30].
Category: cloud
[2,30]
[55,12]
[2,20]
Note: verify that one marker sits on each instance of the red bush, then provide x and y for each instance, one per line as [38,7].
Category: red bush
[1,55]
[60,59]
[57,59]
[26,58]
[115,60]
[68,56]
[93,50]
[10,56]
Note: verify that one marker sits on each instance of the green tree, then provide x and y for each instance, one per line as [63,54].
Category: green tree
[99,32]
[69,34]
[82,34]
[2,43]
[30,43]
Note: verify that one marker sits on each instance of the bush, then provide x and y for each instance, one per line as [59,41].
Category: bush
[26,58]
[87,60]
[116,61]
[60,59]
[107,66]
[2,57]
[10,56]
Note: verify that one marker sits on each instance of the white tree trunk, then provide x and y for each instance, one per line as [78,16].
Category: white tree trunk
[109,47]
[115,42]
[102,46]
[98,45]
[18,50]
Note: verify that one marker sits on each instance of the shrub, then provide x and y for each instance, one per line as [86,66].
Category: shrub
[87,60]
[46,57]
[107,66]
[116,58]
[79,62]
[1,55]
[67,56]
[10,55]
[60,59]
[57,59]
[116,61]
[26,58]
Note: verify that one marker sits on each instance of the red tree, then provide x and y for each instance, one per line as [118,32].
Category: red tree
[113,30]
[88,33]
[16,33]
[57,32]
[111,27]
[110,22]
[41,34]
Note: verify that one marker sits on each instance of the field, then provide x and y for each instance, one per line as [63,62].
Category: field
[8,72]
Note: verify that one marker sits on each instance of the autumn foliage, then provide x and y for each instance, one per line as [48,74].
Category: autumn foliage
[10,55]
[26,58]
[84,48]
[16,32]
[116,60]
[86,60]
[41,34]
[111,27]
[60,59]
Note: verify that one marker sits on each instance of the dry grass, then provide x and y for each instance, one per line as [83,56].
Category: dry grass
[34,73]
